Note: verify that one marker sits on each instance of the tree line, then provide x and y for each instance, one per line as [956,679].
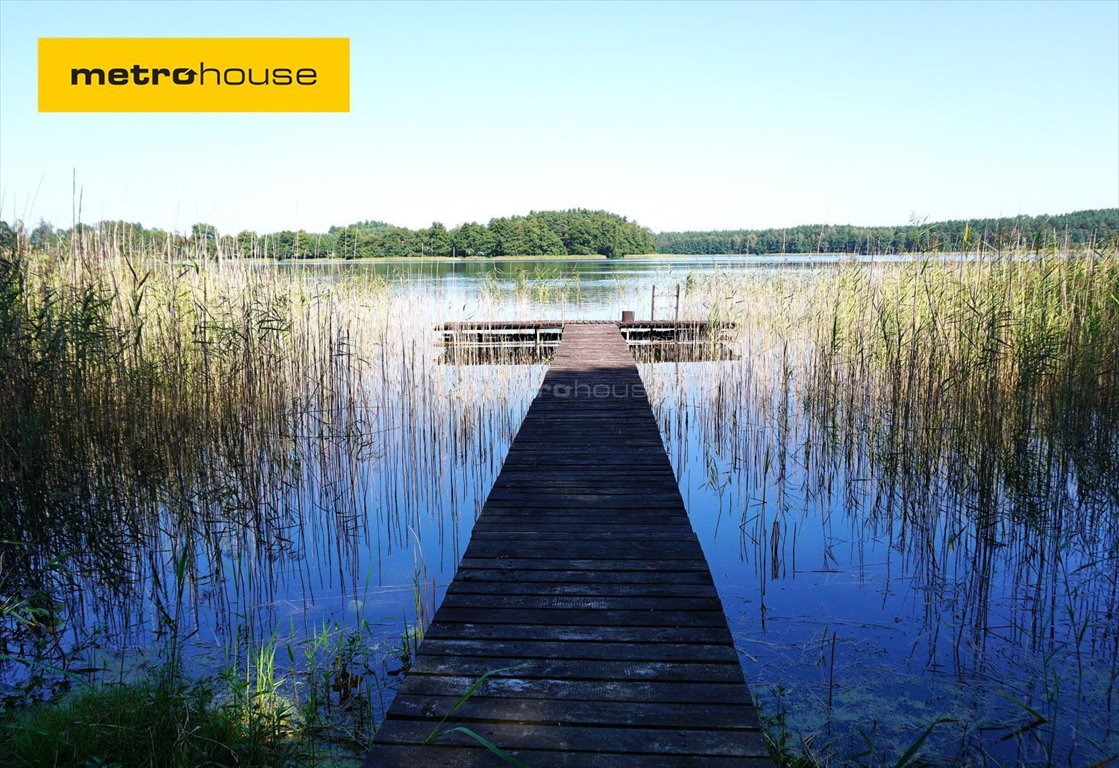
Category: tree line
[577,232]
[1098,228]
[581,232]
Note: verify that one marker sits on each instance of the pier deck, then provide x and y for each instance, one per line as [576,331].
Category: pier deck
[584,596]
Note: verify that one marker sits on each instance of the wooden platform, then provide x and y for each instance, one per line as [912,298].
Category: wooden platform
[550,331]
[585,597]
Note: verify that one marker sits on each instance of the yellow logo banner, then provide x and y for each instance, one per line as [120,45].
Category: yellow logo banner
[194,74]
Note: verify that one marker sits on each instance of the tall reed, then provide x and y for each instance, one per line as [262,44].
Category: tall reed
[958,417]
[274,432]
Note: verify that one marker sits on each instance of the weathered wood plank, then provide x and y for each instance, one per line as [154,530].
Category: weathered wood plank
[657,741]
[610,535]
[567,617]
[605,506]
[575,712]
[439,755]
[581,602]
[588,525]
[639,589]
[577,669]
[516,688]
[584,550]
[580,633]
[585,651]
[509,573]
[651,565]
[572,517]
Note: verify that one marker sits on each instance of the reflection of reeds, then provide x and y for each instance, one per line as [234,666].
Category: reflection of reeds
[962,410]
[280,426]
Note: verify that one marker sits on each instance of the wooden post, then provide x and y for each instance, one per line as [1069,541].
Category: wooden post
[677,302]
[627,315]
[653,306]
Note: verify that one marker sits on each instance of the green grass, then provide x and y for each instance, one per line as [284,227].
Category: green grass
[155,722]
[320,707]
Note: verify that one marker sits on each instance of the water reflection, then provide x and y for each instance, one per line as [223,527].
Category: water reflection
[870,603]
[566,289]
[873,593]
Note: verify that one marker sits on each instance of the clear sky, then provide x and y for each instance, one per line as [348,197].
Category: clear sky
[681,116]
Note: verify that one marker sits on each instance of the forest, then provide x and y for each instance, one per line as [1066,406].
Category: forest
[582,232]
[576,232]
[1094,228]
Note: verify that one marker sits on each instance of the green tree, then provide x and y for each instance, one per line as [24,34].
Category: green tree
[436,240]
[204,238]
[473,239]
[247,244]
[282,245]
[345,242]
[368,245]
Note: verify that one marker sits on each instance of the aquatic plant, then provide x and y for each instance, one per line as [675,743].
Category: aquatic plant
[192,439]
[945,423]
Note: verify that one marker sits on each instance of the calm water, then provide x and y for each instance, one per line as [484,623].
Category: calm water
[861,628]
[856,635]
[575,289]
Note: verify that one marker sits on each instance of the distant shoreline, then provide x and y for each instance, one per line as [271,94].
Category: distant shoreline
[326,260]
[440,259]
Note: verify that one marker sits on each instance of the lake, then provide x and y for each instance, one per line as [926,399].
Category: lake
[576,289]
[875,597]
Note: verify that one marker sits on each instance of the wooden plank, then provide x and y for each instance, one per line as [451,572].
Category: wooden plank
[583,602]
[578,669]
[587,525]
[587,497]
[471,572]
[439,755]
[640,589]
[657,741]
[618,535]
[580,633]
[628,691]
[652,565]
[604,528]
[585,651]
[547,492]
[584,550]
[575,712]
[524,471]
[585,502]
[598,616]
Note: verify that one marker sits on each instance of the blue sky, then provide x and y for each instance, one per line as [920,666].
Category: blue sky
[682,116]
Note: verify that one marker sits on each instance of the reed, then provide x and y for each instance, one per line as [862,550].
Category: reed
[204,449]
[261,432]
[956,415]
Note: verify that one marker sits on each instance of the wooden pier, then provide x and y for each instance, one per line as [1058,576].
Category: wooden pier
[548,332]
[513,342]
[583,598]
